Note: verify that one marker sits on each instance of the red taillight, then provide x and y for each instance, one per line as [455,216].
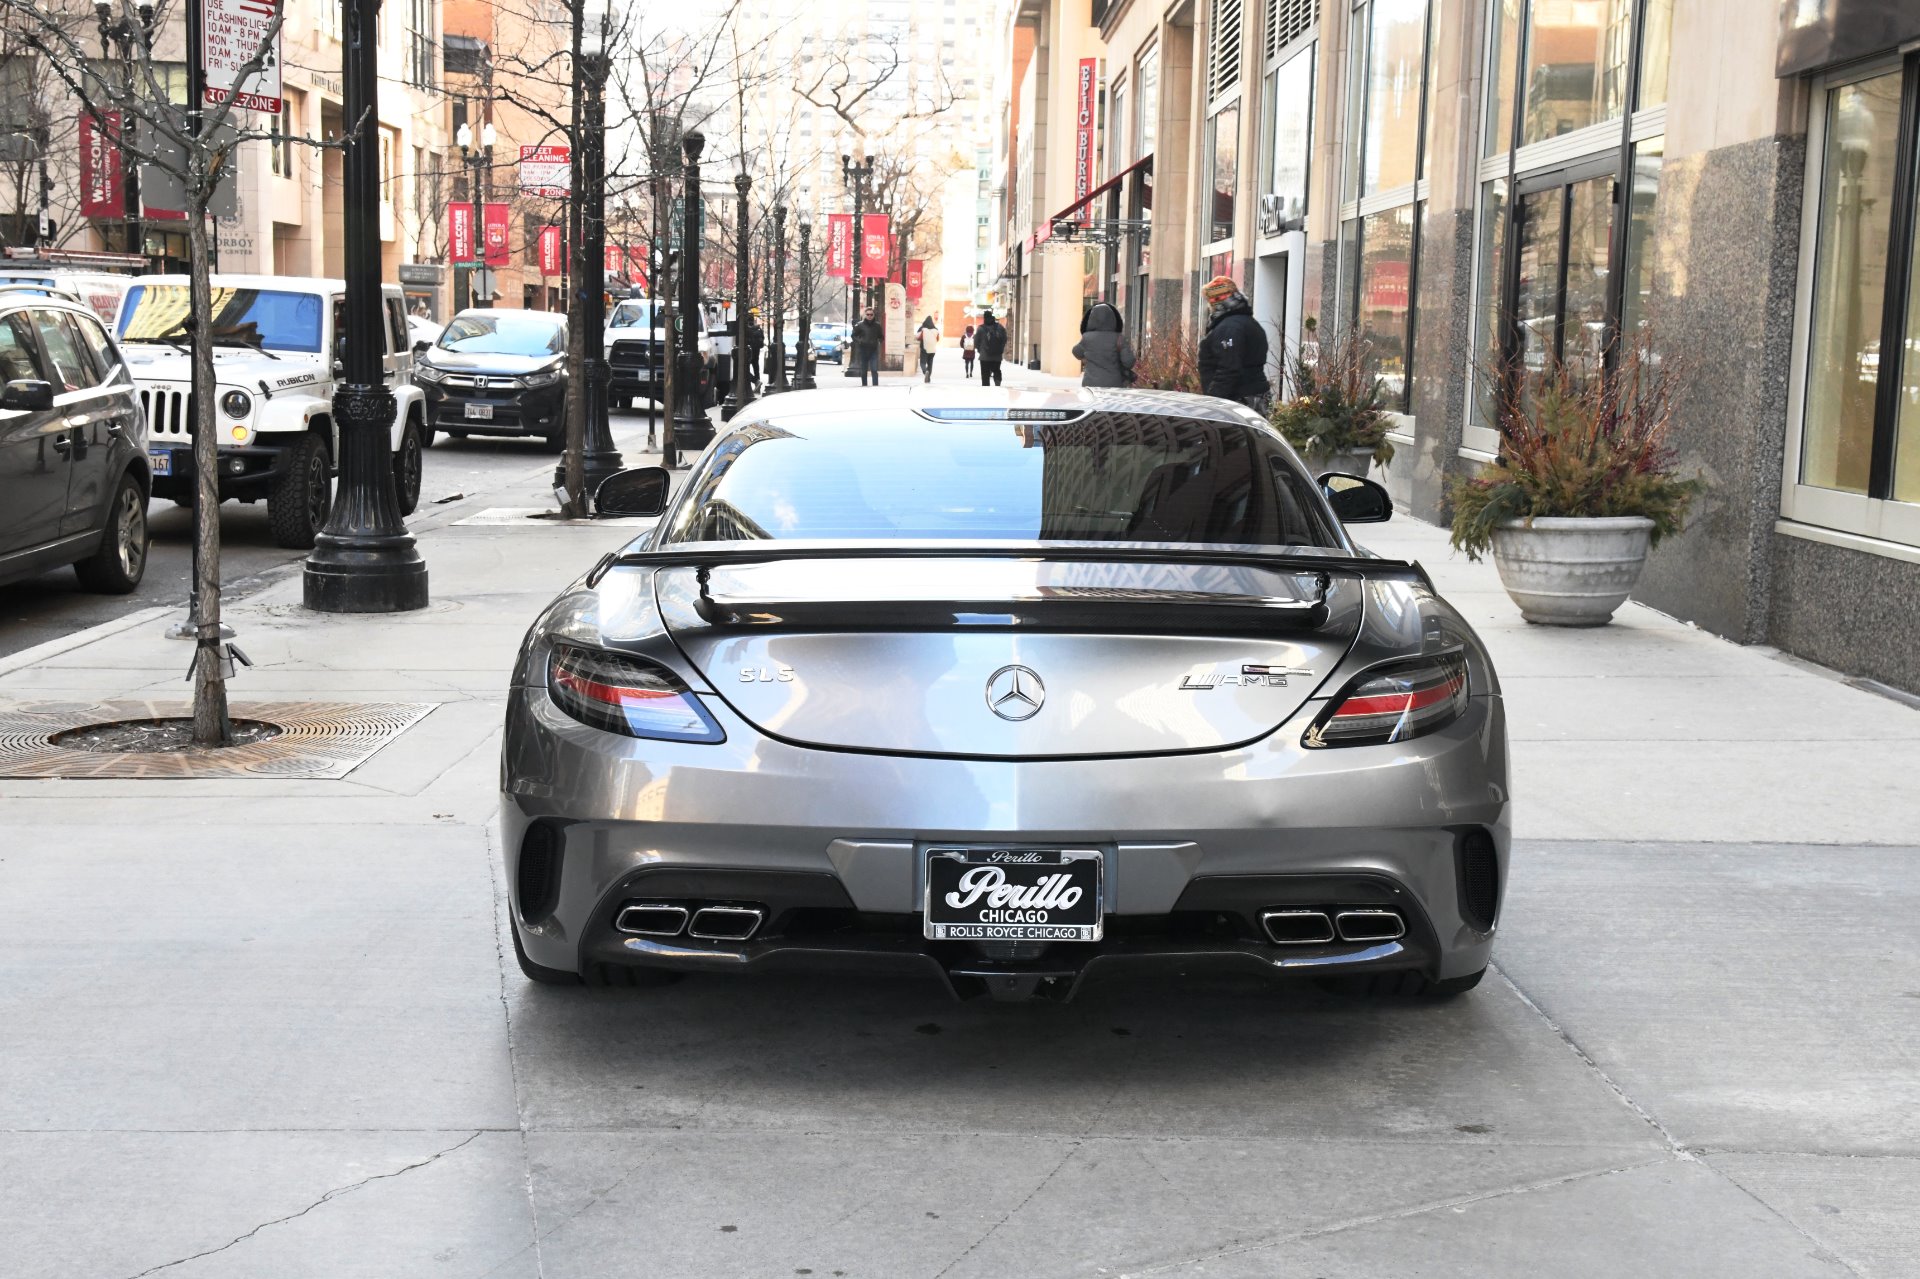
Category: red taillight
[1393,703]
[628,695]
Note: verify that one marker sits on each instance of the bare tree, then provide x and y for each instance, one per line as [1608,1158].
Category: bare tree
[846,78]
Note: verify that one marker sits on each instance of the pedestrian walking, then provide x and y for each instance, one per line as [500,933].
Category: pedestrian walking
[991,341]
[1105,355]
[966,349]
[756,342]
[928,338]
[867,337]
[1233,354]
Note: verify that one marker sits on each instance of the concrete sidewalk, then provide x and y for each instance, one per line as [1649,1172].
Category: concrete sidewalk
[271,1027]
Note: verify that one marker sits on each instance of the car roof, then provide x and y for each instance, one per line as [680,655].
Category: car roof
[40,300]
[866,402]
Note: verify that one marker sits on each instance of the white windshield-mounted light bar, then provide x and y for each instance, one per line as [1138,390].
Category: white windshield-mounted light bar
[1002,415]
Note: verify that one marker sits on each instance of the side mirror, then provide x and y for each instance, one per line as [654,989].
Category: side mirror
[29,395]
[640,491]
[1355,500]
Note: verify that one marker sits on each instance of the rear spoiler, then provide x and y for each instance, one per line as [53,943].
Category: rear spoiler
[1068,608]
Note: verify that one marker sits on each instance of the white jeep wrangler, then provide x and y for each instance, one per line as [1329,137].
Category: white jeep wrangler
[278,342]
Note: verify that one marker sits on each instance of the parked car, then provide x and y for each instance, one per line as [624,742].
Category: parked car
[73,447]
[278,341]
[499,372]
[100,290]
[827,343]
[1107,682]
[635,342]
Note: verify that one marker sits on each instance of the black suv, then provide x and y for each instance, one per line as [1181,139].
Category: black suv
[73,446]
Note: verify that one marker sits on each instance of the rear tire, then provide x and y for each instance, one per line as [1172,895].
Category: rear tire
[539,972]
[116,568]
[407,465]
[302,495]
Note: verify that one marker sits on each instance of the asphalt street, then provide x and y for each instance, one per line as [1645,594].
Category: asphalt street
[53,604]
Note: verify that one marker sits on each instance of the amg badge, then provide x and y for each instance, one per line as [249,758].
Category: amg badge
[1249,676]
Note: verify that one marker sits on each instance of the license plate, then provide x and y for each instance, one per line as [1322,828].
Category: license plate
[1001,894]
[480,412]
[161,460]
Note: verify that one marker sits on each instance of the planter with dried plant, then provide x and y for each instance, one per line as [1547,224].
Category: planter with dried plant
[1585,486]
[1168,363]
[1335,419]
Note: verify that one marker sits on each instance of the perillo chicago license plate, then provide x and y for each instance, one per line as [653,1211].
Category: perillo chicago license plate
[1013,894]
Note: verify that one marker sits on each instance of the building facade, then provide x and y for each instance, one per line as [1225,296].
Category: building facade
[1730,185]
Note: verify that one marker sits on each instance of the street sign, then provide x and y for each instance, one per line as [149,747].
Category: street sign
[163,191]
[546,171]
[231,33]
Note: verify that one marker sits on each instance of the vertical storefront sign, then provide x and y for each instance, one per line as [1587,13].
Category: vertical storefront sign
[874,239]
[551,250]
[496,231]
[840,245]
[100,192]
[460,232]
[639,257]
[1086,103]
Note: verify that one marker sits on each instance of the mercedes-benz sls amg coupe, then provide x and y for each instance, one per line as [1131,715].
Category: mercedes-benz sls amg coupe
[1009,688]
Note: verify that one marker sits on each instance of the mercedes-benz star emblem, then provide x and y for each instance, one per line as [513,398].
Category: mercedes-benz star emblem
[1015,692]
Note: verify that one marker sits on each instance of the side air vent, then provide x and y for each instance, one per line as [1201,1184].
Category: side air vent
[537,882]
[1479,878]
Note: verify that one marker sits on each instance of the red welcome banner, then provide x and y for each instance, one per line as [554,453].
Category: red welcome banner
[100,193]
[637,263]
[551,250]
[616,260]
[460,232]
[840,245]
[916,277]
[496,229]
[874,238]
[1086,98]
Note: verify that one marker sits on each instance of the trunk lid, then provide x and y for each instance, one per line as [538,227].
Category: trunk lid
[1010,658]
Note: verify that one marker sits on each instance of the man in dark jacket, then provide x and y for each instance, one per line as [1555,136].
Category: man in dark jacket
[1233,354]
[756,342]
[866,339]
[990,340]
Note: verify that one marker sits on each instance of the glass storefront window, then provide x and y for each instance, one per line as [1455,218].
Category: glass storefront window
[1293,132]
[1906,440]
[1576,66]
[1224,171]
[1268,107]
[1644,193]
[1506,24]
[1396,52]
[1492,279]
[1849,283]
[1656,40]
[1148,80]
[1383,299]
[1118,157]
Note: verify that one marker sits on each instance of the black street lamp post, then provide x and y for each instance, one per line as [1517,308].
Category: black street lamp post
[691,429]
[598,458]
[779,300]
[364,560]
[856,177]
[803,338]
[121,34]
[479,160]
[742,393]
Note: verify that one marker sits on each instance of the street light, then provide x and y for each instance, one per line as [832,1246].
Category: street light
[479,160]
[779,299]
[690,429]
[121,34]
[803,339]
[741,393]
[598,456]
[364,561]
[856,177]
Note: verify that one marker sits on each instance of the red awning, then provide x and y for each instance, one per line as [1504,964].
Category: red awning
[1042,234]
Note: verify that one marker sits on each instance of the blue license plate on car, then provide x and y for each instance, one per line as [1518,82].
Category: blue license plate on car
[161,460]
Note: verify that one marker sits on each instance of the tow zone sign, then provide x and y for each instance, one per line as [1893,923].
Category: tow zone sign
[231,32]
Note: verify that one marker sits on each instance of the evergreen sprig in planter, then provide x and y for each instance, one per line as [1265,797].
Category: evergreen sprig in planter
[1335,419]
[1585,487]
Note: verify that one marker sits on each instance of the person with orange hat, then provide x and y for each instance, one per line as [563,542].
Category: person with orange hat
[1233,353]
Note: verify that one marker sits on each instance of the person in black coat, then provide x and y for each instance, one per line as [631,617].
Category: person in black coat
[756,342]
[990,340]
[1233,354]
[866,339]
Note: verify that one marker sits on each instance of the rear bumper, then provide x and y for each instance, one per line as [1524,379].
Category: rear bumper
[831,845]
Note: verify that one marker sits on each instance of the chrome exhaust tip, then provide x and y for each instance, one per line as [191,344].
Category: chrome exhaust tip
[1370,925]
[1297,927]
[652,919]
[725,923]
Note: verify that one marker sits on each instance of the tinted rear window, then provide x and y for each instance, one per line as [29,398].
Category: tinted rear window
[1110,477]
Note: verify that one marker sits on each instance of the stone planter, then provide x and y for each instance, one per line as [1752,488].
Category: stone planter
[1571,571]
[1346,462]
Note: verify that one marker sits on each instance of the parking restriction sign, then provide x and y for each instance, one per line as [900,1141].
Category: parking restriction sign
[231,33]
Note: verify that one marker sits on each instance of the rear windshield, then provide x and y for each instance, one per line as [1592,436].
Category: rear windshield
[1109,477]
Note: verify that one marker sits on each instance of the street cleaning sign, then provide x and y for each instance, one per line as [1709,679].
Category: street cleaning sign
[231,33]
[546,171]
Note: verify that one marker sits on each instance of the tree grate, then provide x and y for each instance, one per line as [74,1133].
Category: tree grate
[320,740]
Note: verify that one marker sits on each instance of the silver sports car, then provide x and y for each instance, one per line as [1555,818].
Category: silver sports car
[1004,687]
